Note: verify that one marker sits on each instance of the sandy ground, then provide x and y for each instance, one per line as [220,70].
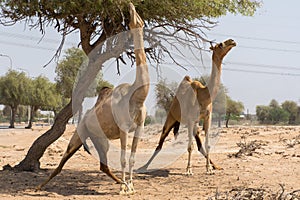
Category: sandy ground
[269,162]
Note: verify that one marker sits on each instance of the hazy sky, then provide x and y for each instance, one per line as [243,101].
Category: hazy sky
[262,67]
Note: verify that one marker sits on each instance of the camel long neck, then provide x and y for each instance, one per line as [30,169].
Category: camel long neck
[215,77]
[142,80]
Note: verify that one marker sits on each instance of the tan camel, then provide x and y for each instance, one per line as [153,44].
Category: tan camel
[115,113]
[193,102]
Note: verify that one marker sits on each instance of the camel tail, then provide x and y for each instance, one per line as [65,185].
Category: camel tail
[87,149]
[176,128]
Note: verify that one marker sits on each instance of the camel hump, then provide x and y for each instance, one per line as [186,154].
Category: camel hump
[105,91]
[187,78]
[197,84]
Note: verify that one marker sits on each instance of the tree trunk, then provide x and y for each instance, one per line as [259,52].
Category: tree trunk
[227,120]
[36,151]
[219,120]
[12,116]
[33,110]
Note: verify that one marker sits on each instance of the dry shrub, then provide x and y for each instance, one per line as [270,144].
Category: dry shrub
[248,148]
[243,193]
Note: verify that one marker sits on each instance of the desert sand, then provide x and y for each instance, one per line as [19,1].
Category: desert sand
[259,162]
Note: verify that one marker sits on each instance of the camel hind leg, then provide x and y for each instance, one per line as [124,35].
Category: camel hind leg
[101,144]
[201,150]
[74,144]
[169,124]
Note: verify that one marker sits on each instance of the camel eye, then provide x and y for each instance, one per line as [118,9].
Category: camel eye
[221,45]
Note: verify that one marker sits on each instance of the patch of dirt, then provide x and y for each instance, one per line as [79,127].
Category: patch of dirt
[260,162]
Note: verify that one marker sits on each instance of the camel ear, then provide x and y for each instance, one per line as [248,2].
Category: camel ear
[212,48]
[221,45]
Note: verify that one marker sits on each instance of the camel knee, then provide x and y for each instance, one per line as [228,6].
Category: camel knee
[190,148]
[104,168]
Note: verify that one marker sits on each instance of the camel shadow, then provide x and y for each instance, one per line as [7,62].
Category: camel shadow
[69,182]
[152,173]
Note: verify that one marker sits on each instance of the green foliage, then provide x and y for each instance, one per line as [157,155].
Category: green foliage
[262,113]
[41,93]
[148,120]
[158,11]
[274,113]
[277,115]
[233,109]
[13,87]
[291,107]
[67,70]
[97,20]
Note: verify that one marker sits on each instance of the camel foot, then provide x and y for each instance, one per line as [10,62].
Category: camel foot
[216,167]
[189,171]
[142,169]
[127,188]
[38,188]
[209,170]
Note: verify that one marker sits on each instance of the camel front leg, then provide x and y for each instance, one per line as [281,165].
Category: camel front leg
[201,150]
[207,122]
[192,129]
[138,132]
[124,189]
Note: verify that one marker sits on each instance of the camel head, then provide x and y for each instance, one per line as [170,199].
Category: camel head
[135,20]
[223,48]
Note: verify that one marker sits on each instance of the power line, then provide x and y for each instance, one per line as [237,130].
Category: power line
[27,45]
[49,40]
[270,49]
[252,71]
[256,38]
[33,38]
[263,65]
[261,72]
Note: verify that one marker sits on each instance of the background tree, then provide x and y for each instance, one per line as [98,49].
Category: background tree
[273,114]
[22,113]
[276,113]
[6,113]
[262,113]
[160,115]
[233,109]
[97,21]
[40,95]
[58,101]
[67,70]
[291,107]
[13,89]
[165,92]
